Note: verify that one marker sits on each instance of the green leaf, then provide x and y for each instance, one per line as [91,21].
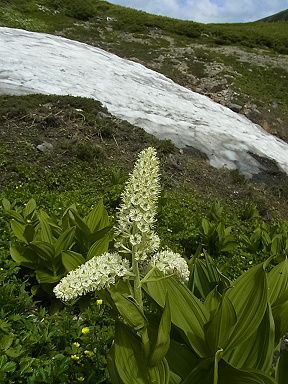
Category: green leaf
[18,230]
[114,376]
[229,375]
[257,351]
[72,260]
[15,215]
[219,329]
[47,277]
[163,338]
[81,225]
[282,366]
[46,233]
[99,247]
[29,208]
[97,218]
[201,373]
[65,241]
[44,250]
[129,360]
[280,315]
[99,234]
[181,359]
[160,373]
[6,204]
[212,301]
[206,226]
[278,282]
[23,256]
[187,312]
[248,296]
[128,309]
[29,233]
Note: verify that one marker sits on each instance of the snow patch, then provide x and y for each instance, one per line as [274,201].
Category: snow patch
[40,63]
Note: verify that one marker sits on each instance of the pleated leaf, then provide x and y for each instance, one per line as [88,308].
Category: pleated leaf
[248,296]
[278,282]
[129,360]
[230,375]
[256,352]
[187,312]
[163,337]
[219,329]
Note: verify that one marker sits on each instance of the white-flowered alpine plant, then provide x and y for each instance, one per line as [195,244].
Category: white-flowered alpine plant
[136,242]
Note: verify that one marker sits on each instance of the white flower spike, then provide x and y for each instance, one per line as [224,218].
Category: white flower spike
[98,273]
[136,216]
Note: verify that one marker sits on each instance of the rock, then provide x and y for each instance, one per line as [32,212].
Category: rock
[235,107]
[103,115]
[45,147]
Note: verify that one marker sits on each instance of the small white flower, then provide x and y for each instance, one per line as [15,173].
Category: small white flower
[170,263]
[98,273]
[136,216]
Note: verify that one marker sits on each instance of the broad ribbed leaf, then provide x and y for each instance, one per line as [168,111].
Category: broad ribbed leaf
[44,250]
[97,218]
[202,373]
[99,234]
[22,256]
[6,204]
[18,230]
[114,376]
[219,329]
[65,241]
[230,375]
[29,208]
[83,227]
[282,366]
[29,233]
[46,233]
[280,315]
[15,215]
[248,296]
[128,309]
[181,359]
[278,282]
[187,312]
[159,374]
[72,260]
[163,337]
[99,247]
[256,352]
[212,301]
[129,360]
[44,277]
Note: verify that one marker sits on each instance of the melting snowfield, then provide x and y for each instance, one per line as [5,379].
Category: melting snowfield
[40,63]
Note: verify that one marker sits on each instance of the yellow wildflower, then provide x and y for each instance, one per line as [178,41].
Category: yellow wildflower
[85,330]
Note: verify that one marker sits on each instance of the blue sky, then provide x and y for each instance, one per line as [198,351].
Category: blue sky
[209,11]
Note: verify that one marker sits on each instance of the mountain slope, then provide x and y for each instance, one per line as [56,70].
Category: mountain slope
[277,17]
[136,94]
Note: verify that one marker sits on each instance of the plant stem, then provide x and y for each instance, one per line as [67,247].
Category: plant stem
[137,284]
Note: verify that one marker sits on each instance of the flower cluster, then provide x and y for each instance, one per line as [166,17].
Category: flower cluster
[134,237]
[98,273]
[171,263]
[136,216]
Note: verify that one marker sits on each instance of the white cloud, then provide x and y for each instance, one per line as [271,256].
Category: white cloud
[209,10]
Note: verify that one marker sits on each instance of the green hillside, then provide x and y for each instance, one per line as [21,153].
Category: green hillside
[277,17]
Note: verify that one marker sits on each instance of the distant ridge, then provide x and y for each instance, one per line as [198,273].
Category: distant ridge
[280,16]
